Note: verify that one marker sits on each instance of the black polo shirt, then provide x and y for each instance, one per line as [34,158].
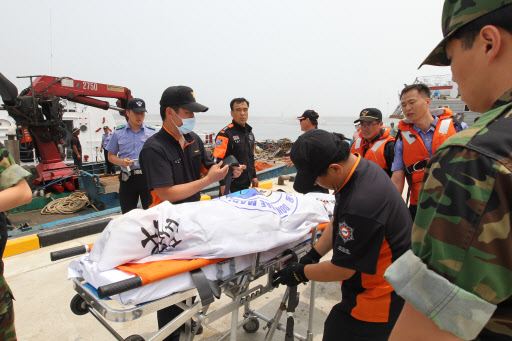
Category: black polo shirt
[165,163]
[371,229]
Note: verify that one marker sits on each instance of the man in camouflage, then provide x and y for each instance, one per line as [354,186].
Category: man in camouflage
[14,191]
[457,280]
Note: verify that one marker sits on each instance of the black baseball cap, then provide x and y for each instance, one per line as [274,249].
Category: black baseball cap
[311,154]
[311,114]
[369,115]
[75,129]
[182,96]
[136,105]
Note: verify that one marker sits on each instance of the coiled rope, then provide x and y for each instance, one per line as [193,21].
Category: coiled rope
[67,205]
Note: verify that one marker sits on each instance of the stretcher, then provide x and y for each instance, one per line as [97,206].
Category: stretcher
[235,279]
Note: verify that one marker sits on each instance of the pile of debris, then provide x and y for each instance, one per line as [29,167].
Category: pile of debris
[262,165]
[271,149]
[266,150]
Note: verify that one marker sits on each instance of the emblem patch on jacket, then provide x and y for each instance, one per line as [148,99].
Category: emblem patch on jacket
[346,232]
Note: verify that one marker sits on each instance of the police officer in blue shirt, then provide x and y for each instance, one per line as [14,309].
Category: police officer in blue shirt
[123,150]
[105,139]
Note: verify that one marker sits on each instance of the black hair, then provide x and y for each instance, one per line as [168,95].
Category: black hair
[238,100]
[420,87]
[313,122]
[164,107]
[342,153]
[499,18]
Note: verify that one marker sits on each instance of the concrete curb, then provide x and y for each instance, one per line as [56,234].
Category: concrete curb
[60,231]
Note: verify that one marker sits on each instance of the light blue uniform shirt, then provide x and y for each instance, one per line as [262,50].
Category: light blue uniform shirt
[127,143]
[105,139]
[426,137]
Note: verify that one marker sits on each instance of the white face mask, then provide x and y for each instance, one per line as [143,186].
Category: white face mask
[187,126]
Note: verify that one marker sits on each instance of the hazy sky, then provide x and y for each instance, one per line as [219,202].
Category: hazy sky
[336,57]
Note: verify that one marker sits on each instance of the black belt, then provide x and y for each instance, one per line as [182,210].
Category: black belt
[416,167]
[134,171]
[124,175]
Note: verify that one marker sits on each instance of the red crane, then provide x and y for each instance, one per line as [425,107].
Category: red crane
[39,109]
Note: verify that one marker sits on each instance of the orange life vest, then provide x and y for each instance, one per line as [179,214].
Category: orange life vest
[374,150]
[414,150]
[25,135]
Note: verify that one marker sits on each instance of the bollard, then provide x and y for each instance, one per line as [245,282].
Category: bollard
[282,178]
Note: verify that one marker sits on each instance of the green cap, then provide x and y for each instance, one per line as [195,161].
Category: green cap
[457,13]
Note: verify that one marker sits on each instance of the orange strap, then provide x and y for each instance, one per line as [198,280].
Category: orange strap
[155,271]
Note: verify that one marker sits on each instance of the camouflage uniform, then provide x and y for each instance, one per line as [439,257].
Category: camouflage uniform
[10,174]
[462,231]
[459,272]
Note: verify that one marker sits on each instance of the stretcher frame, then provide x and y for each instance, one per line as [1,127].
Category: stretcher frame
[236,287]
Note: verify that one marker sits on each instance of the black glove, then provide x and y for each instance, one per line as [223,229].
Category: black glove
[312,257]
[291,275]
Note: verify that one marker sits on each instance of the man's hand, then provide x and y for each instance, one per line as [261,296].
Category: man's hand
[287,161]
[254,182]
[291,275]
[312,257]
[216,173]
[127,162]
[237,171]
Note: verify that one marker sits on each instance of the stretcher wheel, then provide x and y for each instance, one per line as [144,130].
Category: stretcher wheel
[134,338]
[78,305]
[252,325]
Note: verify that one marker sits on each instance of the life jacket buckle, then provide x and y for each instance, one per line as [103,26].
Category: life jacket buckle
[417,167]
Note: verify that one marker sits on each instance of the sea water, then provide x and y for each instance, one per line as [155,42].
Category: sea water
[268,128]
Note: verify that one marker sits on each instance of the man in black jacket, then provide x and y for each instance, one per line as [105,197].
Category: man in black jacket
[238,140]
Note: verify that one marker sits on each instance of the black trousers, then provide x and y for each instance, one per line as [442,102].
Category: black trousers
[111,168]
[78,162]
[165,316]
[131,190]
[340,325]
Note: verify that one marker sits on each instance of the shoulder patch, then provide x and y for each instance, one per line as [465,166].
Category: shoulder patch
[121,126]
[221,147]
[231,125]
[346,232]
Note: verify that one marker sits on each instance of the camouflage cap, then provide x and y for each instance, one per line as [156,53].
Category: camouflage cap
[457,13]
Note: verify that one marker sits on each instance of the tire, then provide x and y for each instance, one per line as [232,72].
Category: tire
[78,305]
[252,325]
[134,338]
